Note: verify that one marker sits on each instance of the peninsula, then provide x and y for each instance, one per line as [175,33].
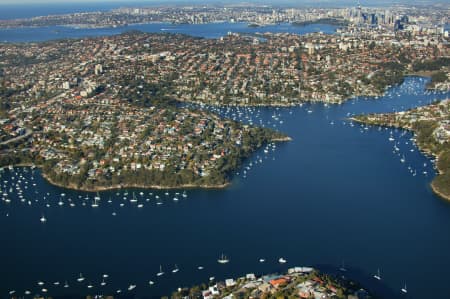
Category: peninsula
[431,125]
[298,282]
[92,116]
[100,143]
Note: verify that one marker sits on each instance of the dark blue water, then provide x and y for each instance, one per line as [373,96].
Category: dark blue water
[215,30]
[335,193]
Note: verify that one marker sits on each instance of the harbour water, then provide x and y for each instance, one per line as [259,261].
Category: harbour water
[336,193]
[215,30]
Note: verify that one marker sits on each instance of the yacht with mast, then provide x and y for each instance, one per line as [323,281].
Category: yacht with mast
[223,259]
[176,269]
[404,289]
[160,273]
[378,275]
[134,199]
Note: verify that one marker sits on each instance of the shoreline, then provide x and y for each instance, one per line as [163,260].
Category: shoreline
[118,187]
[281,139]
[373,96]
[432,184]
[439,193]
[424,151]
[106,26]
[135,186]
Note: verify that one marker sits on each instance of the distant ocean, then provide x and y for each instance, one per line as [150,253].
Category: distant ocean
[16,11]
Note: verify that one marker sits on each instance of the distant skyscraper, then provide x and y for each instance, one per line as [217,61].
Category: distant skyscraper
[359,12]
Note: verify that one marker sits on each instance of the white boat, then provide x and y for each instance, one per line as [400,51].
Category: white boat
[160,273]
[404,289]
[200,267]
[223,259]
[81,278]
[211,278]
[151,282]
[66,285]
[342,268]
[282,260]
[43,219]
[40,283]
[134,198]
[175,270]
[95,204]
[103,283]
[27,292]
[105,275]
[90,286]
[378,275]
[140,205]
[131,287]
[262,260]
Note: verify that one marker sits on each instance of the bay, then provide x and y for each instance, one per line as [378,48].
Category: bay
[215,30]
[335,193]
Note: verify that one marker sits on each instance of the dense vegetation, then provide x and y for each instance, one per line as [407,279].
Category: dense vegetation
[442,182]
[171,176]
[141,93]
[426,141]
[431,65]
[393,75]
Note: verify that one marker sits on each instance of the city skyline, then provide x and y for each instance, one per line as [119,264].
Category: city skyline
[200,2]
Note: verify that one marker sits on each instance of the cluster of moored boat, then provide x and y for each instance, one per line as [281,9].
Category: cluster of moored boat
[81,281]
[402,147]
[19,186]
